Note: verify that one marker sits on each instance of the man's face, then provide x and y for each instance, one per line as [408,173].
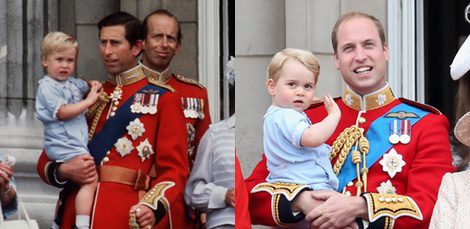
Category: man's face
[361,57]
[161,43]
[118,55]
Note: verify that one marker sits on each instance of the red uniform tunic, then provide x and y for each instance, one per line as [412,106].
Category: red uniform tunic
[195,105]
[242,215]
[426,159]
[160,142]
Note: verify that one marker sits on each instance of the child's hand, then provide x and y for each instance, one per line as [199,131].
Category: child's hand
[94,83]
[230,197]
[331,106]
[94,93]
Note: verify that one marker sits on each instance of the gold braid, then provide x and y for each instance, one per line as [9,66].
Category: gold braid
[344,144]
[95,111]
[364,146]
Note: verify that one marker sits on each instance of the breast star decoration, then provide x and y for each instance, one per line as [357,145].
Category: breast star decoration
[145,150]
[135,128]
[386,188]
[392,163]
[123,146]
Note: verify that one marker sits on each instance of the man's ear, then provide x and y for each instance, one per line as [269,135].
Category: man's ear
[335,58]
[137,48]
[178,48]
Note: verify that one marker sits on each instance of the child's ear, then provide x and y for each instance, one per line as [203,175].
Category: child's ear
[270,84]
[44,63]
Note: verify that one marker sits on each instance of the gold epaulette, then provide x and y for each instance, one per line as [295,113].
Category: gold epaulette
[391,205]
[157,194]
[320,103]
[188,80]
[288,190]
[160,84]
[421,105]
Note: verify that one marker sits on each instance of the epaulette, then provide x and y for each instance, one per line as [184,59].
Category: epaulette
[160,84]
[320,103]
[188,80]
[421,105]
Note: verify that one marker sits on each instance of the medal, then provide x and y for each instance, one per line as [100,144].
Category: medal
[192,107]
[201,109]
[394,138]
[184,103]
[153,103]
[136,106]
[405,137]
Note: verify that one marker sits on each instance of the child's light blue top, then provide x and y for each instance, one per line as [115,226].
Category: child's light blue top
[288,161]
[63,139]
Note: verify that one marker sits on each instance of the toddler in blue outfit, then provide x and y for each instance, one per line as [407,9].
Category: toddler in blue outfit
[295,148]
[61,108]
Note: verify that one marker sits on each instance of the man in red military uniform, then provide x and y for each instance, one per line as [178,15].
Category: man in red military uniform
[137,141]
[389,154]
[162,41]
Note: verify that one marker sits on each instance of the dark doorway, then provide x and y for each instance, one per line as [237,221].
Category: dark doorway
[445,30]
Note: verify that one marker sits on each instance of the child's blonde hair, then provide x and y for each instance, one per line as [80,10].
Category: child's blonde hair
[304,57]
[57,42]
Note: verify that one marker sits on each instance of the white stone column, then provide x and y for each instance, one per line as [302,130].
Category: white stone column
[3,61]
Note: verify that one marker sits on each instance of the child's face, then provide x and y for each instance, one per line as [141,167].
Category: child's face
[294,88]
[60,65]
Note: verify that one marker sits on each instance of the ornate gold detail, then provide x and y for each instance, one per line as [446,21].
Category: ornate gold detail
[188,80]
[289,190]
[162,77]
[370,101]
[128,77]
[401,115]
[161,84]
[96,111]
[391,205]
[156,194]
[343,144]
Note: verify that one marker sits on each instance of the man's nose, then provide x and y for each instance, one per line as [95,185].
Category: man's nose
[360,54]
[107,49]
[164,42]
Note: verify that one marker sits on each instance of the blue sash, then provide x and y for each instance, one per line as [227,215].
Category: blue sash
[377,135]
[115,127]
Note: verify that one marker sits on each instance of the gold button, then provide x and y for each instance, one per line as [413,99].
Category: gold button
[105,159]
[350,184]
[348,193]
[362,120]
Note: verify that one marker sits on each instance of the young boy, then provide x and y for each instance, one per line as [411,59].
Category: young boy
[61,108]
[295,148]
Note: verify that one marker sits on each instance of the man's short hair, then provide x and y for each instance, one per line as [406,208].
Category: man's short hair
[132,25]
[57,42]
[162,12]
[351,15]
[304,57]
